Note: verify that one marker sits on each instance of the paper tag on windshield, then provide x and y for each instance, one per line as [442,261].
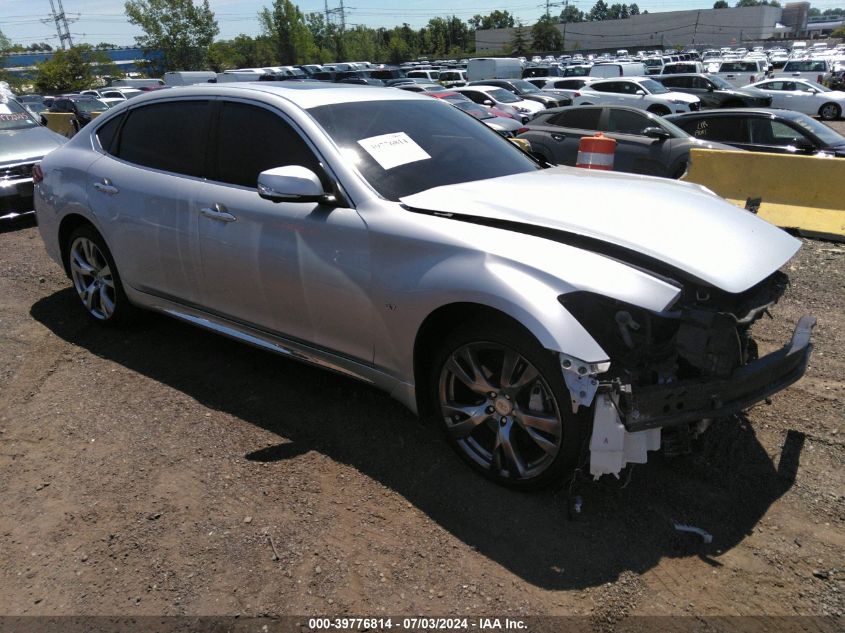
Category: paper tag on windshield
[392,150]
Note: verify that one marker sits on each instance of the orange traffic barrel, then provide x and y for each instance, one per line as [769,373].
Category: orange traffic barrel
[596,152]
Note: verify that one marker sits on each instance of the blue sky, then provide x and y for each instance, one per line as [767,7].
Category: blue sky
[104,21]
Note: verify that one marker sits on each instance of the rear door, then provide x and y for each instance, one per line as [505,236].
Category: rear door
[297,269]
[144,188]
[562,135]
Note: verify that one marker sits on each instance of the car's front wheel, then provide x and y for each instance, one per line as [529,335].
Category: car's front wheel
[95,277]
[504,405]
[830,112]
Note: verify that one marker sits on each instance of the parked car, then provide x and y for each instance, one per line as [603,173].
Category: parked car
[740,72]
[506,126]
[763,130]
[715,92]
[566,86]
[638,92]
[420,87]
[677,68]
[453,78]
[527,91]
[23,142]
[809,69]
[803,95]
[82,107]
[618,69]
[382,235]
[541,71]
[645,143]
[500,98]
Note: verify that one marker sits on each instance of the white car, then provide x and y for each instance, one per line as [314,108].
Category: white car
[566,86]
[493,96]
[637,92]
[804,96]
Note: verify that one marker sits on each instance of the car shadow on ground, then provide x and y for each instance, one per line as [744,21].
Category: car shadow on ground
[724,487]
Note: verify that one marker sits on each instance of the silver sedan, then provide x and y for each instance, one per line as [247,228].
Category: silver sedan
[541,316]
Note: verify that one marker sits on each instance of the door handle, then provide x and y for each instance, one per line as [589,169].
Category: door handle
[218,212]
[105,186]
[558,137]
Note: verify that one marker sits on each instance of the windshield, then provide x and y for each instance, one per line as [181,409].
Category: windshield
[654,87]
[719,82]
[524,86]
[91,105]
[478,111]
[13,116]
[403,147]
[502,96]
[827,135]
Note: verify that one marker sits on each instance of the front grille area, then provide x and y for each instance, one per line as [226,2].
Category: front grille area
[14,172]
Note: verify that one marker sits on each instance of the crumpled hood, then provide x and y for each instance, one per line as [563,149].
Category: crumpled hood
[682,225]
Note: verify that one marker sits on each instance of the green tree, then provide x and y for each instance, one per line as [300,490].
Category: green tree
[180,29]
[599,12]
[495,20]
[634,9]
[519,43]
[72,70]
[571,13]
[5,43]
[243,51]
[285,26]
[721,4]
[545,35]
[838,32]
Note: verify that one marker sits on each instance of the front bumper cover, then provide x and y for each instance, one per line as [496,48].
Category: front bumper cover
[690,400]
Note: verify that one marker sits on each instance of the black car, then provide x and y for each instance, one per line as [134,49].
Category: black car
[763,130]
[715,92]
[526,90]
[541,71]
[82,107]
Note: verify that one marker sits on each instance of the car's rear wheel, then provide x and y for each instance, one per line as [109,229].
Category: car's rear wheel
[830,112]
[504,405]
[95,277]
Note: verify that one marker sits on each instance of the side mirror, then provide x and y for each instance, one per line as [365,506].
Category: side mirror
[804,146]
[291,183]
[710,88]
[640,93]
[487,102]
[656,133]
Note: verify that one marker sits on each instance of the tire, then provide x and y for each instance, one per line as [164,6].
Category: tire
[95,278]
[520,431]
[830,112]
[679,170]
[660,110]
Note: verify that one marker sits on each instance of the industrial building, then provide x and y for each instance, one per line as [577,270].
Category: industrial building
[698,28]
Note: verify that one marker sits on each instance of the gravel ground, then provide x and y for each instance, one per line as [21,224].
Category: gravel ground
[165,470]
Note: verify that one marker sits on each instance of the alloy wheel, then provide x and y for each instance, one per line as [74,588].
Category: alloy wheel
[500,411]
[92,278]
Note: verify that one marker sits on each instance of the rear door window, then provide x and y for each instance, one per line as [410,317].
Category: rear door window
[627,122]
[580,119]
[252,139]
[170,136]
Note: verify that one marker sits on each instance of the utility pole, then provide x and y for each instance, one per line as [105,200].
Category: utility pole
[342,18]
[61,21]
[695,28]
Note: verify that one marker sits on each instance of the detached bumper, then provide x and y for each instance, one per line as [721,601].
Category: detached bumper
[690,400]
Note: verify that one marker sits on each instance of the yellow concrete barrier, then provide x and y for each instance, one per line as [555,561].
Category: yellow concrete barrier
[61,123]
[64,122]
[806,193]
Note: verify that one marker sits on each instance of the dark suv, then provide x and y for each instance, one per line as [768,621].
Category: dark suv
[82,107]
[715,92]
[526,90]
[763,130]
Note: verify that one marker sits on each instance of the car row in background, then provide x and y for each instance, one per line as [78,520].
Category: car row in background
[642,93]
[645,143]
[763,130]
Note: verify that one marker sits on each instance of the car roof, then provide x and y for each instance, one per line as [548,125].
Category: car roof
[305,94]
[481,87]
[726,112]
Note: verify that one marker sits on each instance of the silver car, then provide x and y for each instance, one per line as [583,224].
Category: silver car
[23,142]
[537,314]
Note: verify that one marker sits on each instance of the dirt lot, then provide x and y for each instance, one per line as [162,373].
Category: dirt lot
[165,470]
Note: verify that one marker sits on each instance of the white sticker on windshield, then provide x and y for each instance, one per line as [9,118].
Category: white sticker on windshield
[392,150]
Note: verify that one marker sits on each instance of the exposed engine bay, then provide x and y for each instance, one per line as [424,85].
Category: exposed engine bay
[671,370]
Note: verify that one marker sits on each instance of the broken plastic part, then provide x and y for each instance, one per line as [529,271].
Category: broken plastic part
[581,380]
[705,536]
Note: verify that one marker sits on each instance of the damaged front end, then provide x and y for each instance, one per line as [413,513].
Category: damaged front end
[671,371]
